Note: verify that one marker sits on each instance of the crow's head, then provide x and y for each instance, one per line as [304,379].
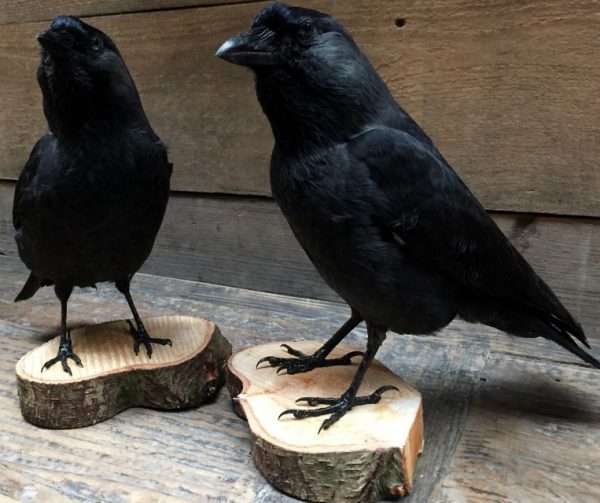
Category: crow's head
[287,36]
[82,76]
[311,77]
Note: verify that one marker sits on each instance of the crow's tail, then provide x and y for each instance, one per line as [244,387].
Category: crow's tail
[557,325]
[564,339]
[32,285]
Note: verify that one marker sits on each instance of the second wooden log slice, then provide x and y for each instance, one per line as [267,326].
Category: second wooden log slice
[369,454]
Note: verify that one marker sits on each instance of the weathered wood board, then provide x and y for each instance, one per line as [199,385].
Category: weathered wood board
[205,453]
[22,11]
[508,91]
[252,247]
[532,434]
[369,454]
[112,378]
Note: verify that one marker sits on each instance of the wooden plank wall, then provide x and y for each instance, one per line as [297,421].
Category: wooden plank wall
[508,90]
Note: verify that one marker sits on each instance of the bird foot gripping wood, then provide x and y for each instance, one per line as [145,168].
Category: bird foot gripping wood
[65,351]
[303,362]
[141,337]
[337,407]
[113,378]
[369,455]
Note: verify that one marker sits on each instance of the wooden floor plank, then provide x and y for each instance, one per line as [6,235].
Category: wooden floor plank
[204,453]
[532,434]
[231,307]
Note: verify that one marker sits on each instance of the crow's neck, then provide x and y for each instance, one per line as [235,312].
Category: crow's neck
[302,118]
[71,118]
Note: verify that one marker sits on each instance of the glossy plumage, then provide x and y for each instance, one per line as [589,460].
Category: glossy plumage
[92,196]
[381,214]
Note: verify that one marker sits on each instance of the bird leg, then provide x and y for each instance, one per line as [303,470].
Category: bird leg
[337,407]
[304,363]
[65,350]
[138,332]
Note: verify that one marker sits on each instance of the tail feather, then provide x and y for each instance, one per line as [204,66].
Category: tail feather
[31,286]
[558,326]
[564,339]
[569,327]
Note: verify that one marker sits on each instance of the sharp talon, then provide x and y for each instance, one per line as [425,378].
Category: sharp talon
[289,411]
[306,399]
[383,389]
[329,421]
[293,352]
[280,369]
[262,360]
[352,354]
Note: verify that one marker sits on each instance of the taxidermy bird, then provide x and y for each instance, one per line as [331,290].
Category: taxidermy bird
[91,198]
[380,213]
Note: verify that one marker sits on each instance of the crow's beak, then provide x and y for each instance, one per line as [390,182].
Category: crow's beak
[56,43]
[242,50]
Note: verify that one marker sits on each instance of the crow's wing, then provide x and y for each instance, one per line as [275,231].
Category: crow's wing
[432,213]
[24,200]
[24,205]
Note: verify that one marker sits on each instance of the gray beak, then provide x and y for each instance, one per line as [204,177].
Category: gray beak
[242,50]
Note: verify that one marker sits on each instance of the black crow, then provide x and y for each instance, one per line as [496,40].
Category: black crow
[381,214]
[92,196]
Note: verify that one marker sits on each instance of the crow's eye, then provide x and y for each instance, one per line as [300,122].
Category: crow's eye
[95,44]
[306,27]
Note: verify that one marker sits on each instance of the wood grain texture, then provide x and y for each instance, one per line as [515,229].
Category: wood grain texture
[205,453]
[532,434]
[112,378]
[368,455]
[251,246]
[22,11]
[507,90]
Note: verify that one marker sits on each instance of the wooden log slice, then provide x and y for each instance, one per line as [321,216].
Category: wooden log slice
[367,455]
[113,378]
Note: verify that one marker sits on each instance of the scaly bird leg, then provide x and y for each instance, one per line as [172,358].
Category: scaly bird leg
[138,332]
[305,363]
[65,350]
[337,407]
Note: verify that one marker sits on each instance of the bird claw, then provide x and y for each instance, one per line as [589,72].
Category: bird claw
[140,336]
[337,407]
[303,362]
[64,353]
[275,361]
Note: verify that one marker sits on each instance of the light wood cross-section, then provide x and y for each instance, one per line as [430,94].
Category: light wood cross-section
[114,378]
[369,454]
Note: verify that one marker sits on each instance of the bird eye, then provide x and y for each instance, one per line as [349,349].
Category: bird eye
[95,44]
[306,27]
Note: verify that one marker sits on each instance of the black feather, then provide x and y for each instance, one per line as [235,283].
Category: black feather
[91,198]
[380,212]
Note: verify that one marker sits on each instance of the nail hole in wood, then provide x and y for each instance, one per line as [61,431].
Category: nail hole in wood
[400,22]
